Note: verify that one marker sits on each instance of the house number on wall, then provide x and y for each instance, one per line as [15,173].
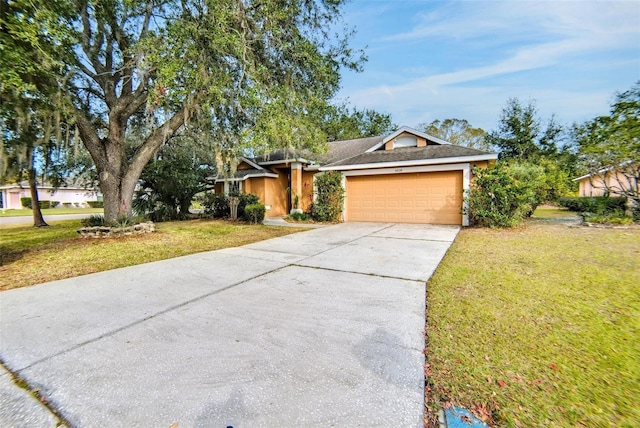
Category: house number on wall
[398,170]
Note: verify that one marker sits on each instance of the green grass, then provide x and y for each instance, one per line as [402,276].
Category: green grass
[551,212]
[538,326]
[31,255]
[50,211]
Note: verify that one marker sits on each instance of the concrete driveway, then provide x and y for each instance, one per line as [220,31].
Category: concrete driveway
[320,328]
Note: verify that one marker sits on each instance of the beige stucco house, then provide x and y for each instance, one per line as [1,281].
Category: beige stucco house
[74,196]
[405,177]
[611,181]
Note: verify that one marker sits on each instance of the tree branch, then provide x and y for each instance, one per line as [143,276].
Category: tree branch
[145,152]
[90,138]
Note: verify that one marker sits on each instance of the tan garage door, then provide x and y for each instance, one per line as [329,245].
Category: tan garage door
[425,197]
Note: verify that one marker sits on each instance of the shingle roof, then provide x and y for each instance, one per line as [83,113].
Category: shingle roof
[409,154]
[354,152]
[337,150]
[341,150]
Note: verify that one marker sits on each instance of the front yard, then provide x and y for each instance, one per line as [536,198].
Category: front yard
[31,256]
[538,326]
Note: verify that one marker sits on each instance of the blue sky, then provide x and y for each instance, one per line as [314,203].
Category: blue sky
[436,60]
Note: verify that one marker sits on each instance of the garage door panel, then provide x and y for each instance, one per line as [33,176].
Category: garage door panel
[433,197]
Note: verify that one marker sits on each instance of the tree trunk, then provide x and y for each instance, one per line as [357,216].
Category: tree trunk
[117,196]
[117,175]
[38,219]
[184,206]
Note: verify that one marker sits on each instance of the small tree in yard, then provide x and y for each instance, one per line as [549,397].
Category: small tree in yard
[330,197]
[168,185]
[522,137]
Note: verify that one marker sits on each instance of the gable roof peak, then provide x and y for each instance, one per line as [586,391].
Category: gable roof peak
[408,130]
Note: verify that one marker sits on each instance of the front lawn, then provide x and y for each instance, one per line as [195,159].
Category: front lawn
[31,255]
[538,326]
[551,212]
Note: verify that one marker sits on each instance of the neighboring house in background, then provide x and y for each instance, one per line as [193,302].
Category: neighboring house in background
[75,196]
[616,181]
[405,177]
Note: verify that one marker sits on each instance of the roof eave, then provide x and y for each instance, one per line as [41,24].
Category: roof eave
[266,174]
[250,162]
[285,161]
[398,164]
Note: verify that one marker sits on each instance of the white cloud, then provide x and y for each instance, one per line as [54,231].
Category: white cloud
[518,37]
[503,19]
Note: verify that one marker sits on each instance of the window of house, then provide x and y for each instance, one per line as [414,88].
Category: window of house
[406,141]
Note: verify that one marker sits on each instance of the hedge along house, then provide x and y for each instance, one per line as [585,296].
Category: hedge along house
[405,177]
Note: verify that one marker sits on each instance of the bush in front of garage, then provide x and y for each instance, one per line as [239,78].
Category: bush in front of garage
[329,197]
[503,195]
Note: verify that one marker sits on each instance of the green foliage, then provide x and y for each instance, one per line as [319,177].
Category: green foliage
[613,141]
[600,205]
[245,200]
[93,220]
[125,221]
[616,217]
[521,137]
[340,122]
[533,182]
[96,204]
[459,132]
[99,220]
[254,213]
[299,216]
[557,181]
[216,205]
[26,202]
[245,73]
[520,134]
[35,119]
[169,184]
[329,197]
[503,195]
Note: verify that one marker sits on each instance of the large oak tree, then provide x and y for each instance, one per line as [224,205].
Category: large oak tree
[244,70]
